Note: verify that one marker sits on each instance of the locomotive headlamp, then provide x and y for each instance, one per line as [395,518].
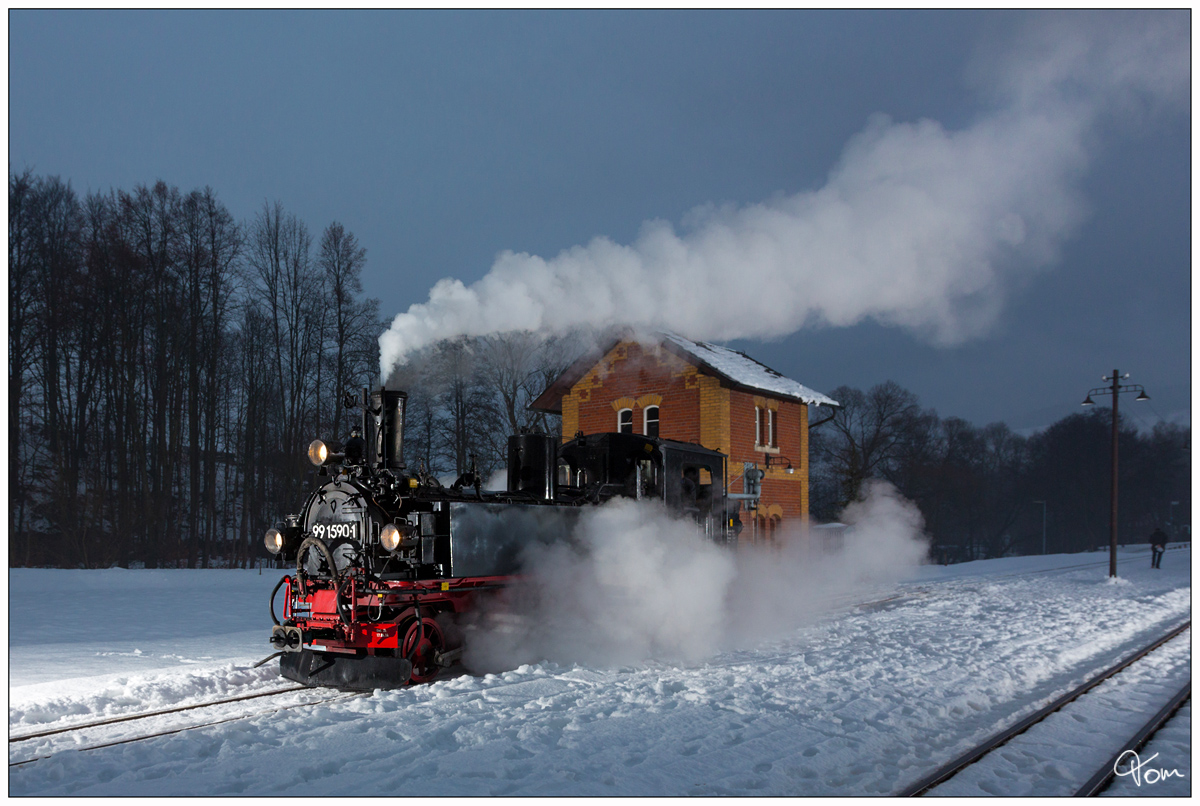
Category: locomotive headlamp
[318,452]
[274,541]
[390,537]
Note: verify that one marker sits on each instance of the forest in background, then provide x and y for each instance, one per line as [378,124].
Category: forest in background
[169,364]
[989,492]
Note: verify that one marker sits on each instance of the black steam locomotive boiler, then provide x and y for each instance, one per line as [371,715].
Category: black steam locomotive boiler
[387,558]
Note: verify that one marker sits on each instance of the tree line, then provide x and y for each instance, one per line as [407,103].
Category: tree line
[169,364]
[987,491]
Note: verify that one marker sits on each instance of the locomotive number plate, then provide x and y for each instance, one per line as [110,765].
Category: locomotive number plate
[335,531]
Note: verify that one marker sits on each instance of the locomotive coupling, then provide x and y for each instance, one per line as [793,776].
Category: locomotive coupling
[287,639]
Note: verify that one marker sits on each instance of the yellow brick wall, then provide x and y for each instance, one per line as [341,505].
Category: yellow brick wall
[694,408]
[714,414]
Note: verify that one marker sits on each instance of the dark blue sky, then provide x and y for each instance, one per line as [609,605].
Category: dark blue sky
[442,138]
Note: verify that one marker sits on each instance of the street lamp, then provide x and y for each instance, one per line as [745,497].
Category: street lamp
[1115,389]
[1043,503]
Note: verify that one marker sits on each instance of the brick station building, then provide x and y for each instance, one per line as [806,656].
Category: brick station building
[695,392]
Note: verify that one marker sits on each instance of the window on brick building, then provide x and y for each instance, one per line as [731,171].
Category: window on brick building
[758,426]
[771,438]
[625,421]
[650,421]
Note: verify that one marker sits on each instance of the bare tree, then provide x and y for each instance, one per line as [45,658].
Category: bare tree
[509,363]
[289,293]
[869,431]
[210,246]
[518,366]
[22,320]
[354,323]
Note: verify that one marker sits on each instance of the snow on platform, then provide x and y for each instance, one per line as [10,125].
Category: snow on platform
[861,701]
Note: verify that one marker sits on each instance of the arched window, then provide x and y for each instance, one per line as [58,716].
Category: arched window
[625,421]
[650,421]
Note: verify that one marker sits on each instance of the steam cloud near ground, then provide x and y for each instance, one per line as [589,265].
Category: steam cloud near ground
[917,225]
[641,585]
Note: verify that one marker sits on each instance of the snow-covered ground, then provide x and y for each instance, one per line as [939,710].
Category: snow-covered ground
[861,700]
[1161,755]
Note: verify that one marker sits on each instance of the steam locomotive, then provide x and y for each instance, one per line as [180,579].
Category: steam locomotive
[388,559]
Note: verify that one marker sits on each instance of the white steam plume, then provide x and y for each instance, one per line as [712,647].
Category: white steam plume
[640,585]
[917,225]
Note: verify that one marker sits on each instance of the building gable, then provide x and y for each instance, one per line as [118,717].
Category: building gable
[635,377]
[735,369]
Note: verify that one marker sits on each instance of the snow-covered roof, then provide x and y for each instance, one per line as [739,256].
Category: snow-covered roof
[745,371]
[735,367]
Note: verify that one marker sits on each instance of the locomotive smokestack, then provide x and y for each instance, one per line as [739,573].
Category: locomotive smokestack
[393,423]
[385,429]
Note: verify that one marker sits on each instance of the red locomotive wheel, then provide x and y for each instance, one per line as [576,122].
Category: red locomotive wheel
[422,641]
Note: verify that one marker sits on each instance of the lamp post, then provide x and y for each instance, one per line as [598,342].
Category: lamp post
[1043,503]
[1115,389]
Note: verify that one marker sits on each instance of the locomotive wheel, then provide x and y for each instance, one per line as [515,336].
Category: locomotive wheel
[422,641]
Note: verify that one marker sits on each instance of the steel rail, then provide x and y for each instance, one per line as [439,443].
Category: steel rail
[952,768]
[1103,777]
[147,714]
[336,697]
[183,728]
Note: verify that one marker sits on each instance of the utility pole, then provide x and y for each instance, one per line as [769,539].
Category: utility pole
[1115,388]
[1043,503]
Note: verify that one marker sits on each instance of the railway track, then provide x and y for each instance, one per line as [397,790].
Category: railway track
[1100,780]
[147,714]
[82,728]
[1104,776]
[331,696]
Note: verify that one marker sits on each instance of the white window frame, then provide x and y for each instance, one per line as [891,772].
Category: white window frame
[758,426]
[620,414]
[646,420]
[771,436]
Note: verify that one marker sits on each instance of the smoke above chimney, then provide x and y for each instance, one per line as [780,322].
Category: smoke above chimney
[917,225]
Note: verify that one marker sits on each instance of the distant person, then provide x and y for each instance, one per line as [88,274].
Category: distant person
[1158,544]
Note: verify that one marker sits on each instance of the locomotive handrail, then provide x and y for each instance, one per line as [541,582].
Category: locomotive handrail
[337,601]
[274,591]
